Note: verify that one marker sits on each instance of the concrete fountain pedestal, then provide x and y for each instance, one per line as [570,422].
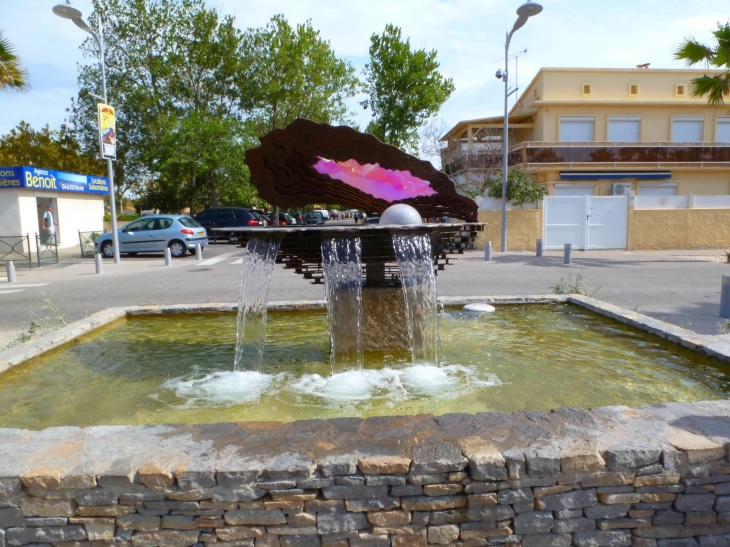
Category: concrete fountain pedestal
[384,325]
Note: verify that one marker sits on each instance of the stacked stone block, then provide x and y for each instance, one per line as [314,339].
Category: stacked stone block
[631,494]
[652,477]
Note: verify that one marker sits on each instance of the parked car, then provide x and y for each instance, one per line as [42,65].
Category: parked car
[314,218]
[325,214]
[155,233]
[228,217]
[372,220]
[284,220]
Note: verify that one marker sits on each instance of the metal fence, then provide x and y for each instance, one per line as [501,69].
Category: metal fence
[46,249]
[17,249]
[87,241]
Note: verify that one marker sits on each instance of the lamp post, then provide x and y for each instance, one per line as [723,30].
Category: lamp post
[67,11]
[524,12]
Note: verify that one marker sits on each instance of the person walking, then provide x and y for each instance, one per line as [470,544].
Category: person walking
[49,226]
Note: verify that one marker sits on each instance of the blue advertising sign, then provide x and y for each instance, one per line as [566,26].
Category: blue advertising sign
[34,178]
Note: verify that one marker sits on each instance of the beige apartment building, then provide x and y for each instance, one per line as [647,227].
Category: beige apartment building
[629,160]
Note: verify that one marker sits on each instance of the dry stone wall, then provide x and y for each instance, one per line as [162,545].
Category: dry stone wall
[612,477]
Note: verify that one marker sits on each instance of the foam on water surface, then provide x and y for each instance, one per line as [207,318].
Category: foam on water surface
[230,387]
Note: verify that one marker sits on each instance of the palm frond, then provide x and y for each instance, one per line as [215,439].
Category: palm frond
[693,52]
[714,88]
[13,77]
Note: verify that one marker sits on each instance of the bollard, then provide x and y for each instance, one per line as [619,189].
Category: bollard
[99,263]
[538,246]
[725,297]
[168,257]
[10,268]
[198,252]
[568,258]
[488,251]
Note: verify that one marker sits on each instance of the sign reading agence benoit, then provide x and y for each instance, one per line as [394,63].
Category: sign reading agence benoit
[34,178]
[107,132]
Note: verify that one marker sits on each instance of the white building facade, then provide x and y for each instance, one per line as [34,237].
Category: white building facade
[25,193]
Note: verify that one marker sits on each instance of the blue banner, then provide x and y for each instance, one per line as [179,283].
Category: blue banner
[34,178]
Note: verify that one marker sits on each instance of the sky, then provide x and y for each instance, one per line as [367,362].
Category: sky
[467,34]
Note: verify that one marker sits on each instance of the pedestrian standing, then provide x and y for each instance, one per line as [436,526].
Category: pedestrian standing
[49,226]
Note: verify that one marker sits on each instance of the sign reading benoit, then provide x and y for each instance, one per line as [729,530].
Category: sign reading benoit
[34,178]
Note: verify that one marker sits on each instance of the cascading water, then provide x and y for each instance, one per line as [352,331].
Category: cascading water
[343,290]
[258,264]
[415,261]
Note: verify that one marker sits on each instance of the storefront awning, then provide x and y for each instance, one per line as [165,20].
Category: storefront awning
[622,175]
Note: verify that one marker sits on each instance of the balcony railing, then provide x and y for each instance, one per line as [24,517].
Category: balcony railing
[611,153]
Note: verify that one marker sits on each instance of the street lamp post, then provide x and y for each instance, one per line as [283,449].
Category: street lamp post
[67,11]
[524,12]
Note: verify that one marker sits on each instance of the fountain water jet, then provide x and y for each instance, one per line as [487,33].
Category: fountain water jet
[415,261]
[341,265]
[258,264]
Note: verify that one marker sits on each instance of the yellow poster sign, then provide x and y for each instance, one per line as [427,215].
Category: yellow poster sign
[107,132]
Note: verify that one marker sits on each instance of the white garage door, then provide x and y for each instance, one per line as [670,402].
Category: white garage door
[588,222]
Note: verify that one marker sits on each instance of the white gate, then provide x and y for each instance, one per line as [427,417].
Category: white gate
[588,222]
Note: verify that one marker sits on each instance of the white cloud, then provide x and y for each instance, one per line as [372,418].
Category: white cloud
[468,35]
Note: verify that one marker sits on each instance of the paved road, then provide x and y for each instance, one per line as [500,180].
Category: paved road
[667,285]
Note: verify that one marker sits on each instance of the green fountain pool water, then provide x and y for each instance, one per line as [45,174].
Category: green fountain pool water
[178,368]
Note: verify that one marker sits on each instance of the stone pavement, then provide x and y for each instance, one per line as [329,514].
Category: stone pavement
[680,287]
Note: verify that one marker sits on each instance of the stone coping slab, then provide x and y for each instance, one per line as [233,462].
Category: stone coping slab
[717,347]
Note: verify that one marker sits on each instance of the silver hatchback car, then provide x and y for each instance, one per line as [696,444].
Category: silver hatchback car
[155,233]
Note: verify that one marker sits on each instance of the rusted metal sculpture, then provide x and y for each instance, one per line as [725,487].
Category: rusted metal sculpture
[309,163]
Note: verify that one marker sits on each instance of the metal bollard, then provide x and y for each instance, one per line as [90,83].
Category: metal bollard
[725,297]
[538,246]
[10,268]
[198,252]
[568,258]
[99,263]
[488,251]
[168,257]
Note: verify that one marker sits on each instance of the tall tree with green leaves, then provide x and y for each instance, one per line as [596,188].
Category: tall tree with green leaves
[168,62]
[13,77]
[292,72]
[716,56]
[404,87]
[48,149]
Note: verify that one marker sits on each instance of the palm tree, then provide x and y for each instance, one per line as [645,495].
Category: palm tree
[13,77]
[717,57]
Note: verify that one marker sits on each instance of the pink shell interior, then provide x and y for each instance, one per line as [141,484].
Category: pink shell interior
[374,180]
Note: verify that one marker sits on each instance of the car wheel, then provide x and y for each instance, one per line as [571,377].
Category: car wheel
[107,249]
[177,249]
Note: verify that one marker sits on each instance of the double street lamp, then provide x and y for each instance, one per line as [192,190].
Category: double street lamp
[67,11]
[524,12]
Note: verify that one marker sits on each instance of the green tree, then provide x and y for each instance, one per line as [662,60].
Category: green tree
[293,73]
[170,64]
[404,87]
[13,77]
[48,149]
[716,56]
[521,189]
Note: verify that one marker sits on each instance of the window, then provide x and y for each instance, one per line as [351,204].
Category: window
[658,189]
[687,129]
[163,223]
[624,129]
[577,129]
[188,222]
[223,215]
[586,89]
[137,225]
[206,215]
[679,90]
[577,189]
[634,90]
[723,130]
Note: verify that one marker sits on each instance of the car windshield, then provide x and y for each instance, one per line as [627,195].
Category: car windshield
[188,222]
[254,214]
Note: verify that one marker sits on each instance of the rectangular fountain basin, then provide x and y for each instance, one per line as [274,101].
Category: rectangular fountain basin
[160,365]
